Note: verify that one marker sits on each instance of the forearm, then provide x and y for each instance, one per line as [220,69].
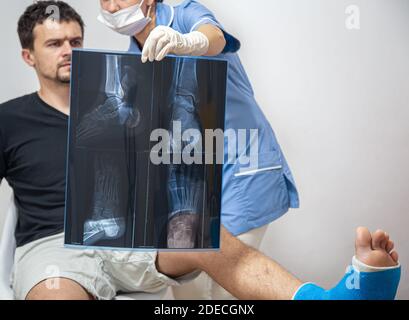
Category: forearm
[217,41]
[207,40]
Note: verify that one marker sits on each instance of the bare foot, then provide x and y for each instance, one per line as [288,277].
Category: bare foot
[375,249]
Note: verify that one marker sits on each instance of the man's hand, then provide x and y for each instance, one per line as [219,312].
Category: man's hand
[164,40]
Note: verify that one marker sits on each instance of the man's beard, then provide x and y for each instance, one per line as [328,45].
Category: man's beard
[65,79]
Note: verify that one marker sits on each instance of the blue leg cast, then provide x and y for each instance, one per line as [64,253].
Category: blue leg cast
[380,285]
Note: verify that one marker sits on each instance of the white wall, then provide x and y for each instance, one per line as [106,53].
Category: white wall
[338,101]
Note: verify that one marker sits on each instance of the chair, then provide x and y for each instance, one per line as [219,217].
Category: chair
[8,247]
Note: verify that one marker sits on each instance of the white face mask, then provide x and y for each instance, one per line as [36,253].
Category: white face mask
[129,21]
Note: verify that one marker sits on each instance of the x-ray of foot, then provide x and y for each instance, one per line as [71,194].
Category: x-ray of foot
[106,222]
[182,231]
[185,189]
[185,181]
[118,109]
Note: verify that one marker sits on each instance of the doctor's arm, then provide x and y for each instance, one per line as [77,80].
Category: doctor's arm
[208,40]
[216,38]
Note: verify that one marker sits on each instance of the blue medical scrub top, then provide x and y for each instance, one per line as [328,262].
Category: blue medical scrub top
[253,200]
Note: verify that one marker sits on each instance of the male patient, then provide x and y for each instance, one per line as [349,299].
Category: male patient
[33,135]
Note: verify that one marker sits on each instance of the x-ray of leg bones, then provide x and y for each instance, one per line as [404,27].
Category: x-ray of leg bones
[115,109]
[106,222]
[116,196]
[186,183]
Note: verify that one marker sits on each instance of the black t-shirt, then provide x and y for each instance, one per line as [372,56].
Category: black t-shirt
[33,147]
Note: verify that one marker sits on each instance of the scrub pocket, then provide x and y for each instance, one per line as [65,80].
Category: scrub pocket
[262,191]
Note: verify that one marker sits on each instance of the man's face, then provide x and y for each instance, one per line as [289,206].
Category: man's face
[113,6]
[53,44]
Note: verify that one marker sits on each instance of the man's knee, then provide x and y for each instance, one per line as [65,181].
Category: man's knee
[174,264]
[178,264]
[58,289]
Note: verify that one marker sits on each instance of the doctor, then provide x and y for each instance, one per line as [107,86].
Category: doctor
[250,201]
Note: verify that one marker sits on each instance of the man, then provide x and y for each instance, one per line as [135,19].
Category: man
[33,134]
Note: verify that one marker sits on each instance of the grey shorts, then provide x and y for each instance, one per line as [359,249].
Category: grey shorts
[103,274]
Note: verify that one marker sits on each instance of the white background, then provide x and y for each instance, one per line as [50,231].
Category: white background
[337,99]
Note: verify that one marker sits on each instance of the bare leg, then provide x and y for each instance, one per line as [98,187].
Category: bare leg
[68,290]
[204,287]
[246,273]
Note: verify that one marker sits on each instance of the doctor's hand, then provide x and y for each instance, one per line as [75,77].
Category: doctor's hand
[164,40]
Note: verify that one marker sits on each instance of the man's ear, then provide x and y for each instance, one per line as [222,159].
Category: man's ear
[28,57]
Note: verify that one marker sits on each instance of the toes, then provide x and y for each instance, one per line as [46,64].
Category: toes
[395,256]
[378,239]
[363,239]
[385,241]
[390,246]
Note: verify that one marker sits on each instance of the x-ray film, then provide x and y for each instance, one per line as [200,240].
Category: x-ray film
[138,169]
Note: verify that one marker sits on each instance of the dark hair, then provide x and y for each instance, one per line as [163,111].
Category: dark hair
[40,11]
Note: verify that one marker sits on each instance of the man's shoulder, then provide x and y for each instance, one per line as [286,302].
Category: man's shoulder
[15,105]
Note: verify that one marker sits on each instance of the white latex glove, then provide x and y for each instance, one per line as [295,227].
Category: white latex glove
[164,40]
